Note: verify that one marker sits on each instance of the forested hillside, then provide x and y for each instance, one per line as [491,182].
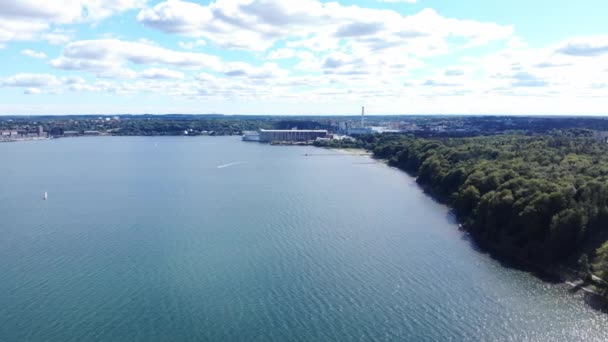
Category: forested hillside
[540,199]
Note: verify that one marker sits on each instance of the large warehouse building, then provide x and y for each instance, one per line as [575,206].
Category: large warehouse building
[271,135]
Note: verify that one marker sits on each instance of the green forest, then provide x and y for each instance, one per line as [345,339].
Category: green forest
[195,127]
[541,200]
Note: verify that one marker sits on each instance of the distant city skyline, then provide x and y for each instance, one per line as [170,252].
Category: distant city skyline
[303,57]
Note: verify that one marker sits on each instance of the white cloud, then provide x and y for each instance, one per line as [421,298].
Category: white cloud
[193,44]
[31,80]
[159,73]
[56,37]
[68,11]
[73,80]
[454,72]
[268,70]
[33,54]
[32,91]
[15,29]
[282,53]
[29,19]
[78,87]
[47,83]
[258,24]
[398,1]
[563,70]
[325,54]
[585,47]
[111,56]
[348,43]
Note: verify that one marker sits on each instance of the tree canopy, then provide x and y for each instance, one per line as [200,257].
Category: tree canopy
[541,199]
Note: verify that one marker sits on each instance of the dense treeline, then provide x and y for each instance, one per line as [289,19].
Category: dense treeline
[153,126]
[144,125]
[213,126]
[194,127]
[148,125]
[540,199]
[422,126]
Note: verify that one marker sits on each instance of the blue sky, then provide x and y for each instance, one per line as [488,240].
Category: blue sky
[303,57]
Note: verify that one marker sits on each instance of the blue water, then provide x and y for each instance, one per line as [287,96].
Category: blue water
[146,239]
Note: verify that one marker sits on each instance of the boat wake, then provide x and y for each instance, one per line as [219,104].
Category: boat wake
[228,165]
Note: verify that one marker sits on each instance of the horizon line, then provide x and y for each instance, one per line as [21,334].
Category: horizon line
[302,115]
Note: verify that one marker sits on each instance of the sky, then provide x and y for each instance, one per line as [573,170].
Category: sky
[302,57]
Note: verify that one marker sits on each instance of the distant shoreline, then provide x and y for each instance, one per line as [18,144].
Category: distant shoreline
[23,139]
[109,135]
[556,275]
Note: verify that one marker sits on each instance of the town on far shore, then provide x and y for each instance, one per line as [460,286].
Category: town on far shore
[289,129]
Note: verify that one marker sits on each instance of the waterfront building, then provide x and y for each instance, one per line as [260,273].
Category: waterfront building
[267,135]
[251,136]
[359,131]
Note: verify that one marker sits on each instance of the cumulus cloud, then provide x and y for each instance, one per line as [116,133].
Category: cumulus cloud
[159,73]
[258,24]
[33,54]
[268,70]
[589,47]
[193,44]
[32,91]
[282,53]
[47,83]
[454,72]
[342,63]
[544,71]
[31,80]
[56,38]
[359,29]
[111,56]
[73,80]
[399,1]
[525,79]
[305,51]
[29,19]
[433,83]
[176,17]
[328,38]
[69,11]
[551,65]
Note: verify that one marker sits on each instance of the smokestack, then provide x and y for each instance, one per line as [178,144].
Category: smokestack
[362,116]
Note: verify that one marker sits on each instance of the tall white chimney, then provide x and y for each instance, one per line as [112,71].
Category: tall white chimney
[362,116]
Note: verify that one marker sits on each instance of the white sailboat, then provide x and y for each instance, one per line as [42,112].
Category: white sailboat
[45,196]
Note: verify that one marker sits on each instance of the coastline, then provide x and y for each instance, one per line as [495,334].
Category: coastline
[557,274]
[354,151]
[104,135]
[23,139]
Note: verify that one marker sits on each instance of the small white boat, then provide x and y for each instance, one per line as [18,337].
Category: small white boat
[45,196]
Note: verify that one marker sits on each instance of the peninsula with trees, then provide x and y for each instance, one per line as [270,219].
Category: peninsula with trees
[540,200]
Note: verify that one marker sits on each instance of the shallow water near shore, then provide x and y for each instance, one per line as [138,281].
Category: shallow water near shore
[211,238]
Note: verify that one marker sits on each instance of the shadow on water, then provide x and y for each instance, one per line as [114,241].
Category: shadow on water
[595,301]
[503,259]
